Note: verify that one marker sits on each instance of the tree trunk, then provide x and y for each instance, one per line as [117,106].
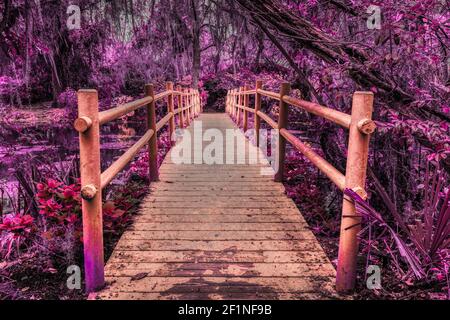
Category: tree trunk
[196,50]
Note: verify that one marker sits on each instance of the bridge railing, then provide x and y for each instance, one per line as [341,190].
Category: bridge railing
[93,181]
[360,126]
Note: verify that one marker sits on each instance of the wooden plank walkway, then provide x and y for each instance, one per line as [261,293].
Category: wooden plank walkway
[218,232]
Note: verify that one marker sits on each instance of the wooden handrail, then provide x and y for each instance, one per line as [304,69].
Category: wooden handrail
[161,123]
[109,174]
[162,95]
[267,119]
[247,92]
[269,94]
[121,110]
[244,108]
[327,168]
[93,181]
[180,107]
[335,116]
[170,105]
[282,124]
[248,109]
[360,125]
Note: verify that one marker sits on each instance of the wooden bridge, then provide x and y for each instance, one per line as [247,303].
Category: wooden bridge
[221,229]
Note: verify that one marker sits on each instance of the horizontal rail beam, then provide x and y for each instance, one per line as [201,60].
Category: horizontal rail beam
[331,172]
[244,108]
[246,93]
[269,94]
[251,110]
[267,119]
[108,175]
[162,95]
[161,123]
[115,113]
[335,116]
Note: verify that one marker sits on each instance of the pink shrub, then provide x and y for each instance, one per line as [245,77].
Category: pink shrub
[15,230]
[59,203]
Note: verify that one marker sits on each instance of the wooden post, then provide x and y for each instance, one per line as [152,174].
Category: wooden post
[229,102]
[169,87]
[282,124]
[184,102]
[91,191]
[192,103]
[226,102]
[153,143]
[232,102]
[186,105]
[195,103]
[246,100]
[199,98]
[355,177]
[180,106]
[238,117]
[257,108]
[236,100]
[199,103]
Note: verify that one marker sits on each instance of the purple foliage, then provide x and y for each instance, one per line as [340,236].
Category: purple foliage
[68,100]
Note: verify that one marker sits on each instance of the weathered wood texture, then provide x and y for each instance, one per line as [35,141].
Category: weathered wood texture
[218,232]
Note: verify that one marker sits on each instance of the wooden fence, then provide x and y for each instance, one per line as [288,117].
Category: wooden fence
[93,181]
[360,127]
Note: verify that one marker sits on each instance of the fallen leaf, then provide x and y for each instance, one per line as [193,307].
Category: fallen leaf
[139,276]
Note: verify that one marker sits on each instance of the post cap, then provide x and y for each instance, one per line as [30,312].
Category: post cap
[370,93]
[88,192]
[367,126]
[360,192]
[87,91]
[82,124]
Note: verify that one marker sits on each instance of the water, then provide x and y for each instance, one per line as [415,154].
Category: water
[58,147]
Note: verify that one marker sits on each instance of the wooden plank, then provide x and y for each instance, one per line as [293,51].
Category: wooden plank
[218,235]
[211,171]
[218,269]
[196,226]
[205,186]
[218,198]
[219,218]
[215,193]
[222,284]
[222,211]
[200,256]
[212,179]
[111,295]
[218,245]
[173,168]
[218,204]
